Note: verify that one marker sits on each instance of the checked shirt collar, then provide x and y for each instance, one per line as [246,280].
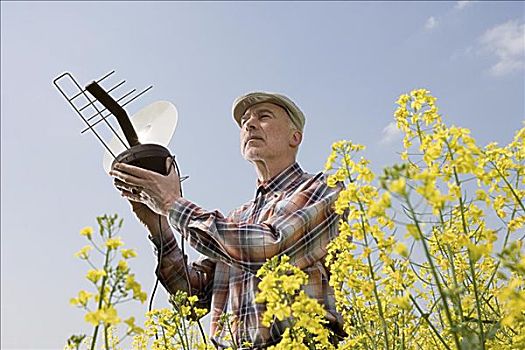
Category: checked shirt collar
[280,182]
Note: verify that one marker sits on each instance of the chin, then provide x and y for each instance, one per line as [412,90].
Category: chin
[252,155]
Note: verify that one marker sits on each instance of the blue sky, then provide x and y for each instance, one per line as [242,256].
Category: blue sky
[343,63]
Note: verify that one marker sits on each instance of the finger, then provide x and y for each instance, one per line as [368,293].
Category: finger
[133,190]
[124,192]
[127,178]
[131,196]
[121,185]
[173,171]
[134,170]
[170,165]
[118,182]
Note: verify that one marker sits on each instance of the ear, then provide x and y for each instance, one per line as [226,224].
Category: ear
[296,138]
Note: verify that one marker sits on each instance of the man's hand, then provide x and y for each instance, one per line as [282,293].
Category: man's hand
[146,216]
[156,191]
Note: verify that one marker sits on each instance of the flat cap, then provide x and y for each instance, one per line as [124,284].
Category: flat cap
[242,103]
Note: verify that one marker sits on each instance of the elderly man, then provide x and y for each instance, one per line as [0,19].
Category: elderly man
[291,214]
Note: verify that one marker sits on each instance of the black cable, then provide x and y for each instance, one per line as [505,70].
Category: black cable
[161,249]
[185,263]
[159,255]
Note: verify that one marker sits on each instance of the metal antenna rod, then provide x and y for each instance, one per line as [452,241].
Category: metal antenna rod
[109,113]
[119,112]
[67,74]
[81,90]
[107,123]
[104,105]
[113,88]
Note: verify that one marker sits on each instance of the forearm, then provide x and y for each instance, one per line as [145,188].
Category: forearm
[171,262]
[159,230]
[173,270]
[302,233]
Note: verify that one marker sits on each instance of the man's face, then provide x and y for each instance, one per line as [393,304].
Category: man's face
[267,133]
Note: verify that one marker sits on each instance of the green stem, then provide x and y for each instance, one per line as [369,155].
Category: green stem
[106,340]
[372,275]
[518,199]
[179,331]
[414,301]
[471,263]
[478,304]
[164,337]
[433,271]
[420,310]
[234,343]
[185,330]
[505,241]
[201,330]
[102,288]
[450,256]
[403,340]
[418,129]
[128,333]
[430,324]
[359,315]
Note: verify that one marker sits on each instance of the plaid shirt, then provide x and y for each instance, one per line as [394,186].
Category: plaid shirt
[291,214]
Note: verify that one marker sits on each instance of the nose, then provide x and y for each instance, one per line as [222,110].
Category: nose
[250,123]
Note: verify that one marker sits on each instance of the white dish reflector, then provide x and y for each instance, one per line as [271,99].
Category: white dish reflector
[154,123]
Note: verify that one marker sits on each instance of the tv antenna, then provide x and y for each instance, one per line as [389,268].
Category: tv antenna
[141,140]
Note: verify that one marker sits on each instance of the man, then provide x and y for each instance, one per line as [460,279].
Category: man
[291,214]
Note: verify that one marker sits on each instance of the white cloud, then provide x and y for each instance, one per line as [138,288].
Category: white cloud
[507,42]
[390,133]
[460,5]
[431,23]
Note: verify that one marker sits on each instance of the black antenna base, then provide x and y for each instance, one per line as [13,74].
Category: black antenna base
[147,156]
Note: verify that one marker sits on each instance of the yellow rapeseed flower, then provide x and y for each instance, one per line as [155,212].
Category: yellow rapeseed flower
[134,286]
[413,231]
[87,231]
[93,317]
[402,301]
[477,251]
[82,299]
[402,100]
[330,161]
[401,249]
[114,243]
[516,223]
[122,266]
[94,275]
[128,253]
[398,186]
[108,316]
[83,253]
